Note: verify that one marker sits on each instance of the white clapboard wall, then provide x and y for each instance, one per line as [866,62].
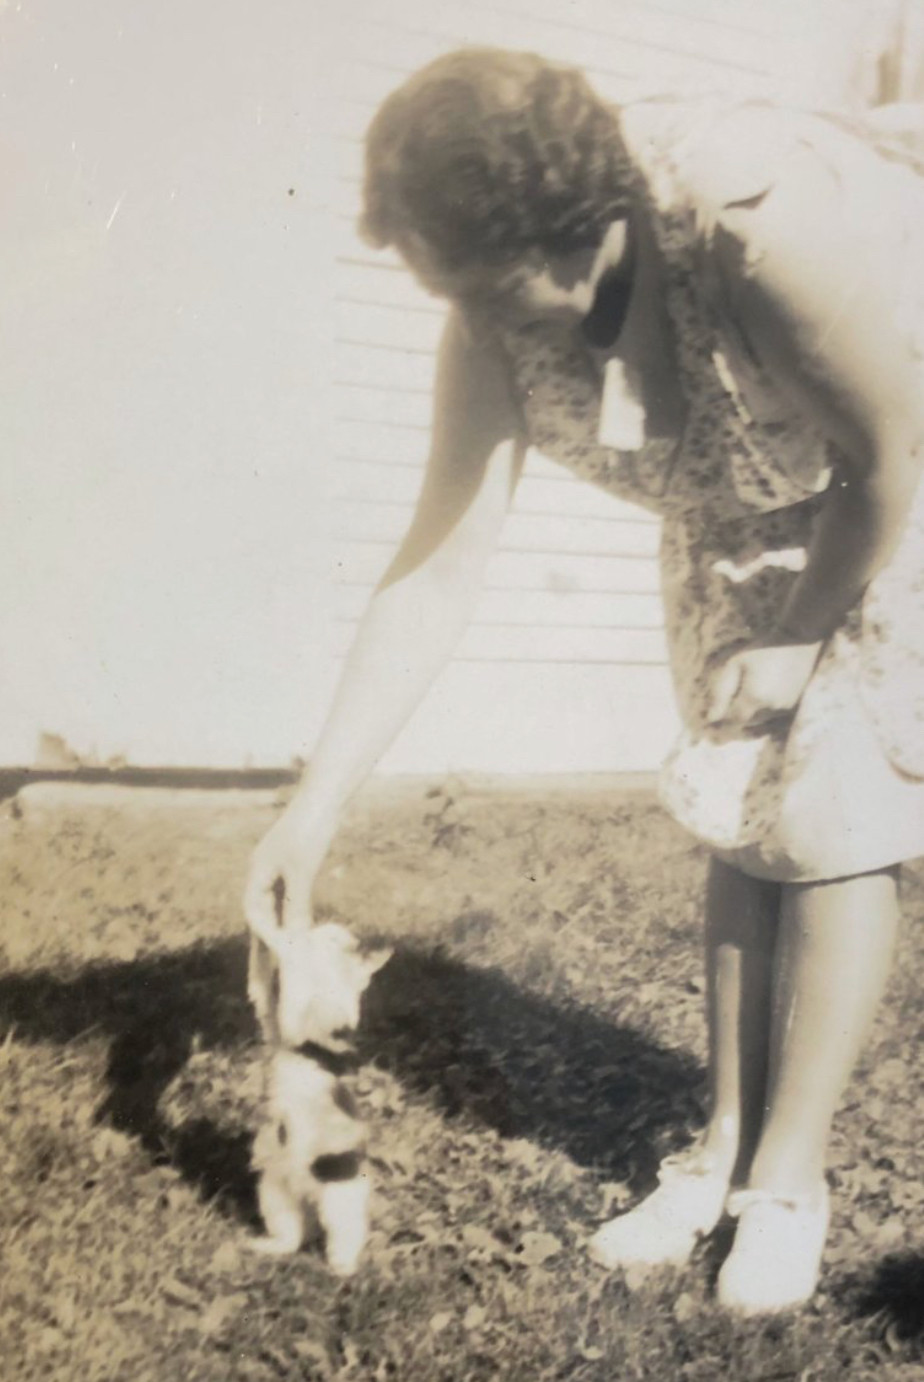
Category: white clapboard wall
[216,399]
[564,667]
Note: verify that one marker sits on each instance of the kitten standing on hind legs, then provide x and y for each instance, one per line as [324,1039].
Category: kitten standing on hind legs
[310,1152]
[310,1155]
[343,1212]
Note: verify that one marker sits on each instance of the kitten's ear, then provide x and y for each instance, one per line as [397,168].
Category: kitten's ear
[340,935]
[375,960]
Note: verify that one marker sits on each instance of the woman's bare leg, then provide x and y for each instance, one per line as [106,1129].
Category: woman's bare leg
[833,957]
[741,928]
[742,916]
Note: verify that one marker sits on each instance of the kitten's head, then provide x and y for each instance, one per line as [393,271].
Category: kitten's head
[322,974]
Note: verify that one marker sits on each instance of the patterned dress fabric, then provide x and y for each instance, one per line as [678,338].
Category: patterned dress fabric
[838,788]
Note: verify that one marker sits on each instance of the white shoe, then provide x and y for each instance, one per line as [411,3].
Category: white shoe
[663,1230]
[776,1258]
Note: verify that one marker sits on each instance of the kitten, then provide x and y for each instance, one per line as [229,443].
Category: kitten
[310,1153]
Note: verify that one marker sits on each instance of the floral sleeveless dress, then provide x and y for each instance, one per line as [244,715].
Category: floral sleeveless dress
[837,789]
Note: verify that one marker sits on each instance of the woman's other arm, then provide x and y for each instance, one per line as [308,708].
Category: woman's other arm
[413,622]
[816,298]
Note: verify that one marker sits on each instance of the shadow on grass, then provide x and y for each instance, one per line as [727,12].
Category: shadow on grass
[151,1010]
[560,1075]
[467,1038]
[896,1295]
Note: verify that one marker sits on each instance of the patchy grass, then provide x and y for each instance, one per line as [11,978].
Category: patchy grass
[532,1049]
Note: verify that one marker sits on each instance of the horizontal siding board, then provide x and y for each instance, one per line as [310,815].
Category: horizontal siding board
[365,403]
[725,29]
[624,35]
[575,572]
[481,643]
[362,564]
[386,325]
[707,22]
[539,608]
[369,281]
[619,40]
[353,363]
[359,563]
[636,646]
[347,118]
[373,482]
[593,536]
[387,523]
[386,446]
[353,249]
[728,32]
[400,41]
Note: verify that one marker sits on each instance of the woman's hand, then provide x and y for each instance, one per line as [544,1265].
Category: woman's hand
[281,877]
[277,903]
[760,685]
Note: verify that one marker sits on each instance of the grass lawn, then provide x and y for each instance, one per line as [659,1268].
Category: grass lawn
[532,1050]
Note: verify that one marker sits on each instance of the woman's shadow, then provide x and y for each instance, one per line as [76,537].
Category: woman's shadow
[467,1038]
[154,1012]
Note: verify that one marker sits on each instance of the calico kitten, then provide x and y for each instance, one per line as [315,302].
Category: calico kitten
[310,1153]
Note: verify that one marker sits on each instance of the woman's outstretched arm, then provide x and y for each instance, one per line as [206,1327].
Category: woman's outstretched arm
[413,622]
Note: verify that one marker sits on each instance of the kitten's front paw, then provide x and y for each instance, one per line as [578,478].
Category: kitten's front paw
[262,983]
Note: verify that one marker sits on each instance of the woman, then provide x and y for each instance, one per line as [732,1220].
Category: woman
[713,311]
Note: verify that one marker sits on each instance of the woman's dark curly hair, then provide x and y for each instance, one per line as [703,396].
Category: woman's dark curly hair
[485,154]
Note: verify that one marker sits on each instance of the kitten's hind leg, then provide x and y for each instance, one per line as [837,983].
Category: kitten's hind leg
[283,1216]
[343,1207]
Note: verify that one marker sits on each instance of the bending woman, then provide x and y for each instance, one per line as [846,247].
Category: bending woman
[716,311]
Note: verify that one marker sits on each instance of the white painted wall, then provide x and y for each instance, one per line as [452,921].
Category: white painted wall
[163,363]
[215,400]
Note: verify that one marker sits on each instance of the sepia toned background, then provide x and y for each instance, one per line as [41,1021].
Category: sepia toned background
[216,398]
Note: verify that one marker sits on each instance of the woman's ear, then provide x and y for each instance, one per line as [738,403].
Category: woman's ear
[341,936]
[616,249]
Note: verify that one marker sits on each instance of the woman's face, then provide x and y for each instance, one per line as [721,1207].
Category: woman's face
[535,286]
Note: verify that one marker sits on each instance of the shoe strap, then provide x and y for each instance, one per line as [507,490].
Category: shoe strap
[740,1200]
[692,1163]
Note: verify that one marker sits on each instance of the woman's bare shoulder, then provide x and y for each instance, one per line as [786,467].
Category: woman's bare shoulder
[813,266]
[738,154]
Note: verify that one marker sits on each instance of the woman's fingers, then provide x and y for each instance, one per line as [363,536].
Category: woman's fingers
[757,686]
[262,987]
[724,690]
[293,897]
[260,899]
[277,896]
